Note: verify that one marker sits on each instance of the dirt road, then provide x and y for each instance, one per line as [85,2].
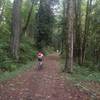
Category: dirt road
[47,84]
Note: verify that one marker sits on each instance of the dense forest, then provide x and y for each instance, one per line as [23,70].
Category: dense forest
[49,49]
[70,26]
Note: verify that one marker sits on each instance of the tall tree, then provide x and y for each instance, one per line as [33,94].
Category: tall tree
[16,29]
[63,22]
[69,52]
[2,4]
[28,17]
[44,24]
[87,27]
[78,31]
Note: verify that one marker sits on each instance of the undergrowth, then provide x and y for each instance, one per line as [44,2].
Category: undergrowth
[83,73]
[8,75]
[27,53]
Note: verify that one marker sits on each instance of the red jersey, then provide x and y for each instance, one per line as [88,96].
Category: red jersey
[40,54]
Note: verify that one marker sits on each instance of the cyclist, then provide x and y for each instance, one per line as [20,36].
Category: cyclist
[40,56]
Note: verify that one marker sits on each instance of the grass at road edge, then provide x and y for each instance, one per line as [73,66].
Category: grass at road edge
[8,75]
[81,73]
[84,79]
[84,74]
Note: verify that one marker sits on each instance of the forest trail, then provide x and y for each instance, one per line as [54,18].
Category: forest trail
[47,84]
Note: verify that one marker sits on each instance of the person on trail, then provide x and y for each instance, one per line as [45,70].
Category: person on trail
[40,56]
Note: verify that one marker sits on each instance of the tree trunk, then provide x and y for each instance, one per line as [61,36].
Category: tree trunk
[28,18]
[16,29]
[78,31]
[87,24]
[1,10]
[62,47]
[64,26]
[1,15]
[71,16]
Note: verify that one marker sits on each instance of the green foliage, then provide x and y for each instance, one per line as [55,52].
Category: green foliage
[8,75]
[48,50]
[27,50]
[47,30]
[45,20]
[83,74]
[88,30]
[7,63]
[91,65]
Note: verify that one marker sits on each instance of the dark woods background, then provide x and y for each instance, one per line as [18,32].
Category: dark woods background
[71,26]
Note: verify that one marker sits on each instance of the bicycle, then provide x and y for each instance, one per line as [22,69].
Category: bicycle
[40,65]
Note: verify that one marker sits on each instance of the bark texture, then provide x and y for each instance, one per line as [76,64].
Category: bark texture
[16,29]
[71,18]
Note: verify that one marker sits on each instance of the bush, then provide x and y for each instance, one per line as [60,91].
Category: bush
[48,50]
[12,67]
[27,52]
[7,63]
[92,66]
[82,73]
